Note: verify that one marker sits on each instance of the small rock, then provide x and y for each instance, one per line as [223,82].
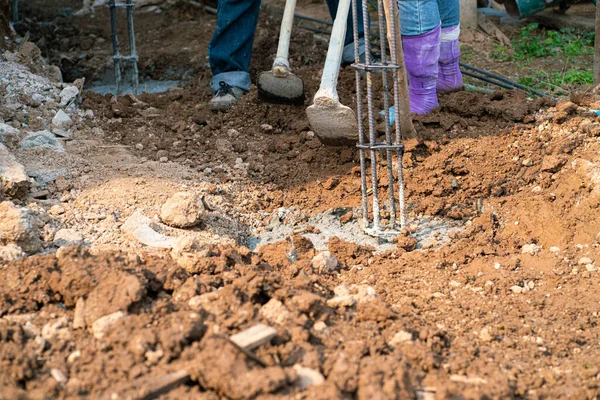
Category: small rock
[266,128]
[153,357]
[325,263]
[531,285]
[9,136]
[516,289]
[61,133]
[485,335]
[566,106]
[102,325]
[320,327]
[182,210]
[307,377]
[591,268]
[58,375]
[139,146]
[454,284]
[62,120]
[531,248]
[56,209]
[407,242]
[56,329]
[585,261]
[42,139]
[527,162]
[401,337]
[73,356]
[79,315]
[67,237]
[68,94]
[11,252]
[554,249]
[275,312]
[537,189]
[553,164]
[163,160]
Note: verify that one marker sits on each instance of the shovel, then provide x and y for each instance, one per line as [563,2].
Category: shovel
[333,123]
[279,85]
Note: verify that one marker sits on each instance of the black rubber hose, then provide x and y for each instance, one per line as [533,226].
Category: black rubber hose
[505,80]
[488,80]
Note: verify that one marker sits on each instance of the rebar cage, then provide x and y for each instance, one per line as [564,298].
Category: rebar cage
[392,146]
[117,57]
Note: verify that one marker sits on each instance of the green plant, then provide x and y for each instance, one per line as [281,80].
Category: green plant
[532,43]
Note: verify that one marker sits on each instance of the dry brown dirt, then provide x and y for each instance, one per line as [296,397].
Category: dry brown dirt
[507,309]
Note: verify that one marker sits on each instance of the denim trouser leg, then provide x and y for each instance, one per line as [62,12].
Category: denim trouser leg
[449,12]
[230,49]
[418,16]
[348,54]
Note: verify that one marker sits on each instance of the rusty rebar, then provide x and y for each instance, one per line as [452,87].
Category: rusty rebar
[117,57]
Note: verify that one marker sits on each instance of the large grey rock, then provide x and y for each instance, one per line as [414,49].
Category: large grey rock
[9,136]
[67,237]
[68,95]
[43,139]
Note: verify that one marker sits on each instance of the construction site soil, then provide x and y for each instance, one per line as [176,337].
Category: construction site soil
[508,307]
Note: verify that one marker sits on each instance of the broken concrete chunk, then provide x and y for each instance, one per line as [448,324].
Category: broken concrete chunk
[254,337]
[139,227]
[401,337]
[68,94]
[182,210]
[9,136]
[67,237]
[62,120]
[275,312]
[11,252]
[325,263]
[101,326]
[308,377]
[14,180]
[17,226]
[531,248]
[43,139]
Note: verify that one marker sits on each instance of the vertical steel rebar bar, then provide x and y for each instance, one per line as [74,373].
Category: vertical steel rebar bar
[371,119]
[115,41]
[394,36]
[359,115]
[15,11]
[132,49]
[386,106]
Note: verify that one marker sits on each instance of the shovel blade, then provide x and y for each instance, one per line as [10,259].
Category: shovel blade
[282,90]
[333,123]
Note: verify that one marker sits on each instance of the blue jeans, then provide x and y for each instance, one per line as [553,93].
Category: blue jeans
[421,16]
[230,49]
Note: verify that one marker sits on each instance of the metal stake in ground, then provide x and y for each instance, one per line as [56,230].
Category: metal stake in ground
[280,85]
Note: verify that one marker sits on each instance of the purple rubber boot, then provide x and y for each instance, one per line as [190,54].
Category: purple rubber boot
[421,55]
[449,77]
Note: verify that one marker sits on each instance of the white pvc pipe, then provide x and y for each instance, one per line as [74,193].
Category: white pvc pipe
[281,66]
[331,70]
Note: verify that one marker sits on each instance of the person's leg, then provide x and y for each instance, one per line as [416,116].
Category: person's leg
[420,28]
[230,49]
[450,77]
[348,54]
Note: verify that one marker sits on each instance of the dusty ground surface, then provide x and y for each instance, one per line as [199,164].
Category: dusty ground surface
[503,305]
